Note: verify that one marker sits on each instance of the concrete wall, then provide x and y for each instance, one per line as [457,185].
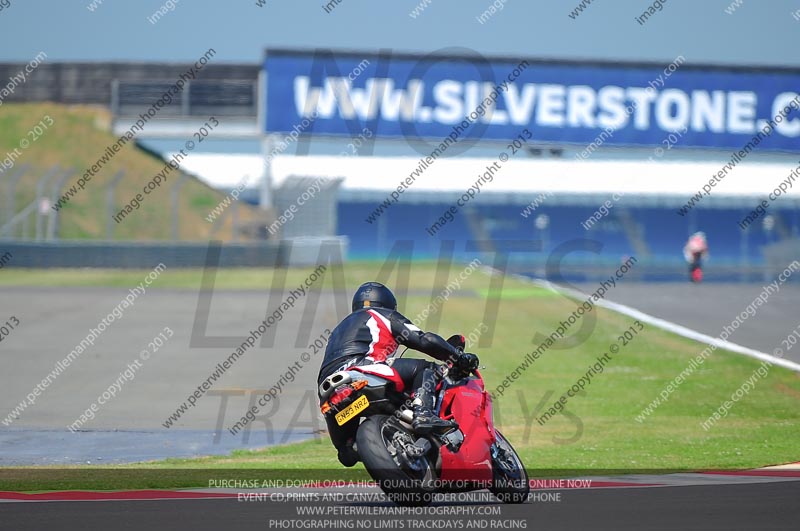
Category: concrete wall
[132,255]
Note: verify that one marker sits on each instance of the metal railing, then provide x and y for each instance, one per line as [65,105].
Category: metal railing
[234,98]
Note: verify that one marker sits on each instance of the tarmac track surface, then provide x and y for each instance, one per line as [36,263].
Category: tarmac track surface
[754,506]
[707,308]
[52,321]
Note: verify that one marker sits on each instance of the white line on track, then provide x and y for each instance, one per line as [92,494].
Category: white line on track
[667,325]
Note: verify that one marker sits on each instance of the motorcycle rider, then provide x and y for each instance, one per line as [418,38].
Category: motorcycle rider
[695,250]
[371,334]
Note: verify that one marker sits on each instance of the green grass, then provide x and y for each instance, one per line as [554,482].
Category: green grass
[762,428]
[77,138]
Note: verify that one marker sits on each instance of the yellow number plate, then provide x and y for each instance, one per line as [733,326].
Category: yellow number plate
[352,410]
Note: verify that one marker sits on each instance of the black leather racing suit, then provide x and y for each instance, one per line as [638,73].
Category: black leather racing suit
[373,334]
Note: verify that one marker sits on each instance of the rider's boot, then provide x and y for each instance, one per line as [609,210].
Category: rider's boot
[348,456]
[425,420]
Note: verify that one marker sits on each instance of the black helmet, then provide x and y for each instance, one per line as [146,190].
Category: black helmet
[374,294]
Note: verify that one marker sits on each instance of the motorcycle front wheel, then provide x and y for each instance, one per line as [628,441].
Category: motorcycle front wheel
[510,479]
[381,446]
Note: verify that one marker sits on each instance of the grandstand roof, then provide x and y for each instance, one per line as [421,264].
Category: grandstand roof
[518,181]
[372,178]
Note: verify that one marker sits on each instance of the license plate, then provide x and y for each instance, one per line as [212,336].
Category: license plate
[352,410]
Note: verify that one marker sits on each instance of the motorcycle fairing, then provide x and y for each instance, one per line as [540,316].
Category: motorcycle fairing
[470,406]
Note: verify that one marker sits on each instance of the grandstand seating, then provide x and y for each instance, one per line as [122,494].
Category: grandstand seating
[664,232]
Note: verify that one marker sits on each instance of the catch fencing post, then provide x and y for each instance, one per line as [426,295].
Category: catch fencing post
[39,195]
[52,214]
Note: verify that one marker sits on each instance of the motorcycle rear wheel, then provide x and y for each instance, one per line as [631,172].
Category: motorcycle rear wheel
[377,449]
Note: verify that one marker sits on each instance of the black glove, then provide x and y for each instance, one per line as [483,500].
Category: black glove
[467,362]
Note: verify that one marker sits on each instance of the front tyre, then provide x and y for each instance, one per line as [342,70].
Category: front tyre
[510,479]
[381,445]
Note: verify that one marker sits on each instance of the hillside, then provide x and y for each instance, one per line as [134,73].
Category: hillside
[77,138]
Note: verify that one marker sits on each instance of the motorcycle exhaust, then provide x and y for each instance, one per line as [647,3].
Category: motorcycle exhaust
[333,381]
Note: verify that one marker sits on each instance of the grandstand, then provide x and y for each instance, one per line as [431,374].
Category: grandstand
[645,222]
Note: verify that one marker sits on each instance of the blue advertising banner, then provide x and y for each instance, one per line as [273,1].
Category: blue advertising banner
[462,95]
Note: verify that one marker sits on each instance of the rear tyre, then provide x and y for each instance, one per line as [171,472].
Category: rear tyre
[381,448]
[510,479]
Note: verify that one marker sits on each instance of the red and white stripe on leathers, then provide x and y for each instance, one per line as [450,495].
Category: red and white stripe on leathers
[383,344]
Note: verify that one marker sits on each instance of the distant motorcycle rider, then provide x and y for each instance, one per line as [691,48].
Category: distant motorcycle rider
[371,334]
[695,250]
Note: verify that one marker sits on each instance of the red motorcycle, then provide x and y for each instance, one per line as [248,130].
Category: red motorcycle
[410,468]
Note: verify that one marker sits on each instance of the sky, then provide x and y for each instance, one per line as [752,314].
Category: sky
[756,32]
